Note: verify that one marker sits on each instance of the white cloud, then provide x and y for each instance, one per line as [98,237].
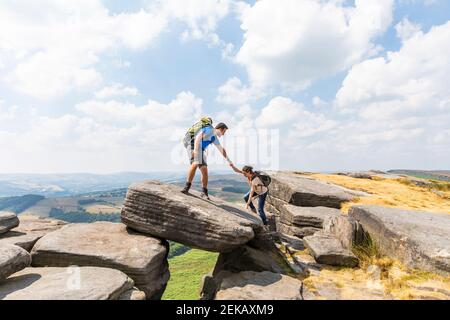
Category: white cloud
[54,52]
[318,102]
[406,29]
[116,90]
[279,111]
[49,54]
[308,39]
[411,81]
[293,118]
[200,16]
[104,137]
[233,92]
[186,108]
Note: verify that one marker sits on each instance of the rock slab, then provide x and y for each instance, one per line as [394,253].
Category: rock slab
[418,239]
[307,192]
[250,285]
[12,260]
[8,221]
[30,230]
[161,210]
[85,283]
[307,216]
[108,245]
[328,250]
[347,230]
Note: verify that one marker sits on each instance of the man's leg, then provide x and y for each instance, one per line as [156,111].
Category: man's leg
[261,202]
[204,171]
[191,172]
[190,178]
[246,197]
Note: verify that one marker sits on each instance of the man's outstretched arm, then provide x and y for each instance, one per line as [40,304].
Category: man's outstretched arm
[223,152]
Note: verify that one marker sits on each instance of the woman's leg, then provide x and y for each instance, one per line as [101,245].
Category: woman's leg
[261,202]
[246,197]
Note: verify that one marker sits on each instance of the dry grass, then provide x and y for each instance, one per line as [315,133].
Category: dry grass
[394,193]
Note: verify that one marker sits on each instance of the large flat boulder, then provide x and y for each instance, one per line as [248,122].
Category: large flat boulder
[109,245]
[8,221]
[12,259]
[419,239]
[308,192]
[328,250]
[307,216]
[30,230]
[250,285]
[347,230]
[85,283]
[161,210]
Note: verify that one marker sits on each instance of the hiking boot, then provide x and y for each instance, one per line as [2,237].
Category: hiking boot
[205,194]
[186,188]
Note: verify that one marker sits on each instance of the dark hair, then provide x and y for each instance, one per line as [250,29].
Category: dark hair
[221,126]
[247,169]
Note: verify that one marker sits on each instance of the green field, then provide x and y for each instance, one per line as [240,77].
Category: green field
[186,272]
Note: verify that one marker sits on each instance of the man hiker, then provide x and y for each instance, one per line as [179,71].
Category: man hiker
[259,188]
[198,138]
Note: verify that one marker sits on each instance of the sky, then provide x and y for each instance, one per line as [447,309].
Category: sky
[108,86]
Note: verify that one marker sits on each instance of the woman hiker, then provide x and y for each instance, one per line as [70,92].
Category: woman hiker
[258,189]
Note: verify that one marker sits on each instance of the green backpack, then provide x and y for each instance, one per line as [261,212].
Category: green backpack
[204,122]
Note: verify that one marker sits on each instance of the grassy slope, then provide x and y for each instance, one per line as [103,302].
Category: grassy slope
[186,272]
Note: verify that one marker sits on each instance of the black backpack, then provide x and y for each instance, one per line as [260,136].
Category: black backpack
[265,178]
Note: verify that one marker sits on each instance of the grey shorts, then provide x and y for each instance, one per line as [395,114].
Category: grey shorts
[188,142]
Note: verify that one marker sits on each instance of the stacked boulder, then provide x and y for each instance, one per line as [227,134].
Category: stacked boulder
[248,263]
[107,245]
[43,258]
[8,221]
[308,214]
[29,231]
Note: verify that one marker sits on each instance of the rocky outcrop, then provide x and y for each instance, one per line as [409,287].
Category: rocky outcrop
[85,283]
[307,192]
[12,259]
[307,216]
[29,231]
[161,210]
[347,230]
[110,245]
[301,222]
[250,285]
[8,221]
[259,255]
[298,232]
[328,250]
[419,239]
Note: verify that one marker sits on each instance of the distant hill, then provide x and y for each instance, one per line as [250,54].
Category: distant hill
[441,175]
[19,204]
[59,185]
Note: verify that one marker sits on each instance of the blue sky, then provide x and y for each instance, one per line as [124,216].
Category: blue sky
[107,86]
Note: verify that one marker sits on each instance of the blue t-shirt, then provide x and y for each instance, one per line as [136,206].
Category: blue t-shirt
[209,137]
